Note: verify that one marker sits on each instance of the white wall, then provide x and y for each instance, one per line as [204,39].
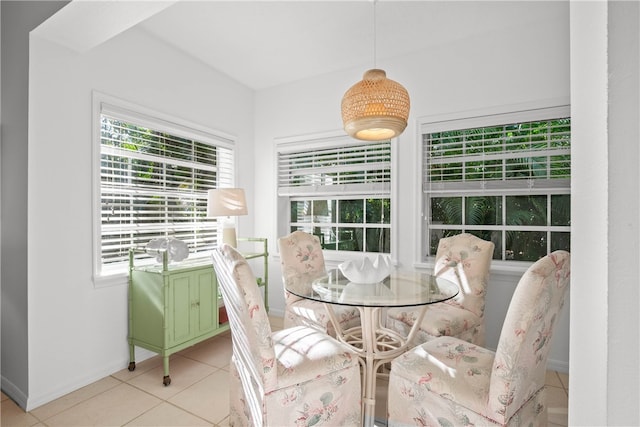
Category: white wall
[506,68]
[605,61]
[590,188]
[18,18]
[623,226]
[78,333]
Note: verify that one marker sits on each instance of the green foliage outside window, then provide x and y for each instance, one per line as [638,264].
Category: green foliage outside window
[360,225]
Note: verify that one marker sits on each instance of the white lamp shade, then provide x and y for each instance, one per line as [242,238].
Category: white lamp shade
[226,202]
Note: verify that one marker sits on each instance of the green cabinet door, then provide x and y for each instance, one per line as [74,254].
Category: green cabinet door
[206,318]
[179,309]
[192,308]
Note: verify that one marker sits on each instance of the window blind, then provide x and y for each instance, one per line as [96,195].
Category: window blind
[498,159]
[154,182]
[341,167]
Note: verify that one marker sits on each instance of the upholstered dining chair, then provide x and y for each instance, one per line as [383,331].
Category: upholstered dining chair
[295,376]
[464,259]
[448,381]
[302,261]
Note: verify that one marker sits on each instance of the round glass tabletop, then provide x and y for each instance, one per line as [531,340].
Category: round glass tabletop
[400,289]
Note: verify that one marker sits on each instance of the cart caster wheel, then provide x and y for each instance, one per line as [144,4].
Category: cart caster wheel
[132,366]
[166,380]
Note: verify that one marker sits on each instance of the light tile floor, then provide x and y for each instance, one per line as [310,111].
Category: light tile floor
[198,394]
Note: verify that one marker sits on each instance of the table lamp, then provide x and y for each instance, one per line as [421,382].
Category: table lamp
[227,202]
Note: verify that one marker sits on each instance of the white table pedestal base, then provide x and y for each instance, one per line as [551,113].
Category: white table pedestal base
[375,345]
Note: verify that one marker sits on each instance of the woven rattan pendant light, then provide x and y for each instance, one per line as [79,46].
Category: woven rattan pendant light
[375,108]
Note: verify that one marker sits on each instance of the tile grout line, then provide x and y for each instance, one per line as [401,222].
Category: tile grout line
[565,387]
[44,420]
[166,400]
[197,382]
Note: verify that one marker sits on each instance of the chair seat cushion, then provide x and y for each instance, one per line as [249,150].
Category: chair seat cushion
[439,319]
[449,367]
[303,353]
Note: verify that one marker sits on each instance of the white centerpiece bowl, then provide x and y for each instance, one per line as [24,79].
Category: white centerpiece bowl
[367,271]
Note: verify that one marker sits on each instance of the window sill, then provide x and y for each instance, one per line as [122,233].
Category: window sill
[105,281]
[516,268]
[333,258]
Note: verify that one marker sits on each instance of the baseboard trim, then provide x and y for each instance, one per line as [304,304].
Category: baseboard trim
[34,401]
[11,390]
[558,365]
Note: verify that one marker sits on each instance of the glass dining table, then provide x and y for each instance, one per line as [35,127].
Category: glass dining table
[371,340]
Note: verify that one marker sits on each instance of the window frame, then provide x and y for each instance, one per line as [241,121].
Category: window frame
[143,116]
[319,141]
[528,112]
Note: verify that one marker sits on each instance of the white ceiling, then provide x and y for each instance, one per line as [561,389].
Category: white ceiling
[268,43]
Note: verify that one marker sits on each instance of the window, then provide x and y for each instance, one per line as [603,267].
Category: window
[340,190]
[153,179]
[504,178]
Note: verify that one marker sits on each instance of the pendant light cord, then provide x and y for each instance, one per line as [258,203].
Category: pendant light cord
[375,39]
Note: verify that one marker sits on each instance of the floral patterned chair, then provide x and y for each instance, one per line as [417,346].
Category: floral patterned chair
[292,377]
[464,259]
[302,262]
[448,381]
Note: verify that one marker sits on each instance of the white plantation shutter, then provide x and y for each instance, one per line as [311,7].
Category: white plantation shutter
[154,177]
[338,167]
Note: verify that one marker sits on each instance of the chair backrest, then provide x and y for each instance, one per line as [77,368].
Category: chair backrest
[301,259]
[250,327]
[467,259]
[520,364]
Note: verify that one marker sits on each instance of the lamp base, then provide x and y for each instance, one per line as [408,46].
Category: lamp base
[229,236]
